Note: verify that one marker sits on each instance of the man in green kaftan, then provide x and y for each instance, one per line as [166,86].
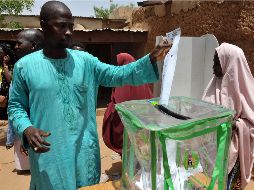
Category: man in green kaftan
[53,103]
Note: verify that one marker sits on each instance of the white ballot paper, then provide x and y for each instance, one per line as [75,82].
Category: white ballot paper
[169,66]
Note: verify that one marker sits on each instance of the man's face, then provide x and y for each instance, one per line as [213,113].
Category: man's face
[23,45]
[58,30]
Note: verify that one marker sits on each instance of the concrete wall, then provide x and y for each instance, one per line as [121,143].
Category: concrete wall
[229,21]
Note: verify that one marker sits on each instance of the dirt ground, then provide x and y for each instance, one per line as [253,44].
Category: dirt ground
[9,180]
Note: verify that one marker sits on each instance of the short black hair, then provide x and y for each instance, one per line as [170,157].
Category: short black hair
[48,10]
[36,36]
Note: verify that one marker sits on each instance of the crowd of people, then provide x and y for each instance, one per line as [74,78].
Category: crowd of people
[50,89]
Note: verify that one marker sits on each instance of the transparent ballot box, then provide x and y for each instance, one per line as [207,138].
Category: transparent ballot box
[179,146]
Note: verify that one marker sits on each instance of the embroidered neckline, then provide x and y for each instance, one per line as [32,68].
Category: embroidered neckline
[64,88]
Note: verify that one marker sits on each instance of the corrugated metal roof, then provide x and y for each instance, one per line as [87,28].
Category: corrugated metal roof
[10,29]
[115,30]
[94,18]
[152,2]
[85,30]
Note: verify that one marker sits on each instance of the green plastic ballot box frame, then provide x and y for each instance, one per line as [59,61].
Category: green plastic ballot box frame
[147,129]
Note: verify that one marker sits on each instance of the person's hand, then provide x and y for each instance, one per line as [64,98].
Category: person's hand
[160,51]
[23,151]
[35,139]
[6,60]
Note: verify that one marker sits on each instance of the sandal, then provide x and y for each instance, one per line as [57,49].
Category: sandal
[9,146]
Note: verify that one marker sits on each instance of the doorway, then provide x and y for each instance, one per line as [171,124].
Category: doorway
[103,52]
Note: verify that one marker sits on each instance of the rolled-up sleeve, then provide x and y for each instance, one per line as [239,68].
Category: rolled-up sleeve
[137,73]
[18,106]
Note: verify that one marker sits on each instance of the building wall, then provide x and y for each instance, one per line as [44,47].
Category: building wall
[25,21]
[229,21]
[123,12]
[87,23]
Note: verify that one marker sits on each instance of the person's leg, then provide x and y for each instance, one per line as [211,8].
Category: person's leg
[234,178]
[21,161]
[10,136]
[3,114]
